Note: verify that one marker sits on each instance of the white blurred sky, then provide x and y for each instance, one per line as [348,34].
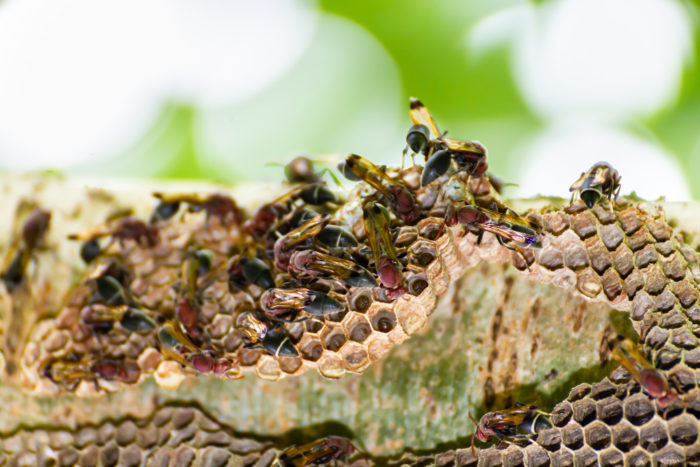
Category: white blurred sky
[82,80]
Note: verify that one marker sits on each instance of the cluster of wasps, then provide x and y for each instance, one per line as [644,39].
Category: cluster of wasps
[299,255]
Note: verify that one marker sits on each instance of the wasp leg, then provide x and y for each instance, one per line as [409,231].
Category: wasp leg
[510,247]
[480,236]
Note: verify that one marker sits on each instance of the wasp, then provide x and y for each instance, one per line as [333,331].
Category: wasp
[301,170]
[186,307]
[321,451]
[215,205]
[271,339]
[598,182]
[627,354]
[70,373]
[277,303]
[285,244]
[123,228]
[377,225]
[102,318]
[424,137]
[175,344]
[508,227]
[401,199]
[517,424]
[310,263]
[23,246]
[316,194]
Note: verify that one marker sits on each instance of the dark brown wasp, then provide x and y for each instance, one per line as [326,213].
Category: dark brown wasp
[321,451]
[277,304]
[23,247]
[598,182]
[269,214]
[217,205]
[401,199]
[516,424]
[272,340]
[121,229]
[186,305]
[285,245]
[378,228]
[102,317]
[70,373]
[175,344]
[301,170]
[310,264]
[627,354]
[425,138]
[507,227]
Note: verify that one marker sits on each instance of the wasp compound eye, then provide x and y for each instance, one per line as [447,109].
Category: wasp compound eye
[417,137]
[436,167]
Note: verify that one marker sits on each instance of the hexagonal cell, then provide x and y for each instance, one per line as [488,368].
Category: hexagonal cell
[430,228]
[410,314]
[684,430]
[609,410]
[625,436]
[310,348]
[360,299]
[221,324]
[406,235]
[378,345]
[417,283]
[333,338]
[296,330]
[638,458]
[331,366]
[422,253]
[584,411]
[597,436]
[383,320]
[653,436]
[249,356]
[290,365]
[354,357]
[671,456]
[233,341]
[358,328]
[268,368]
[313,325]
[639,409]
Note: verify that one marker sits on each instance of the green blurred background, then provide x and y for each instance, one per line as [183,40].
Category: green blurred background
[216,91]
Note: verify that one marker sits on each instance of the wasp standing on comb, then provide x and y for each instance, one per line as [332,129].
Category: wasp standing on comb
[425,138]
[598,182]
